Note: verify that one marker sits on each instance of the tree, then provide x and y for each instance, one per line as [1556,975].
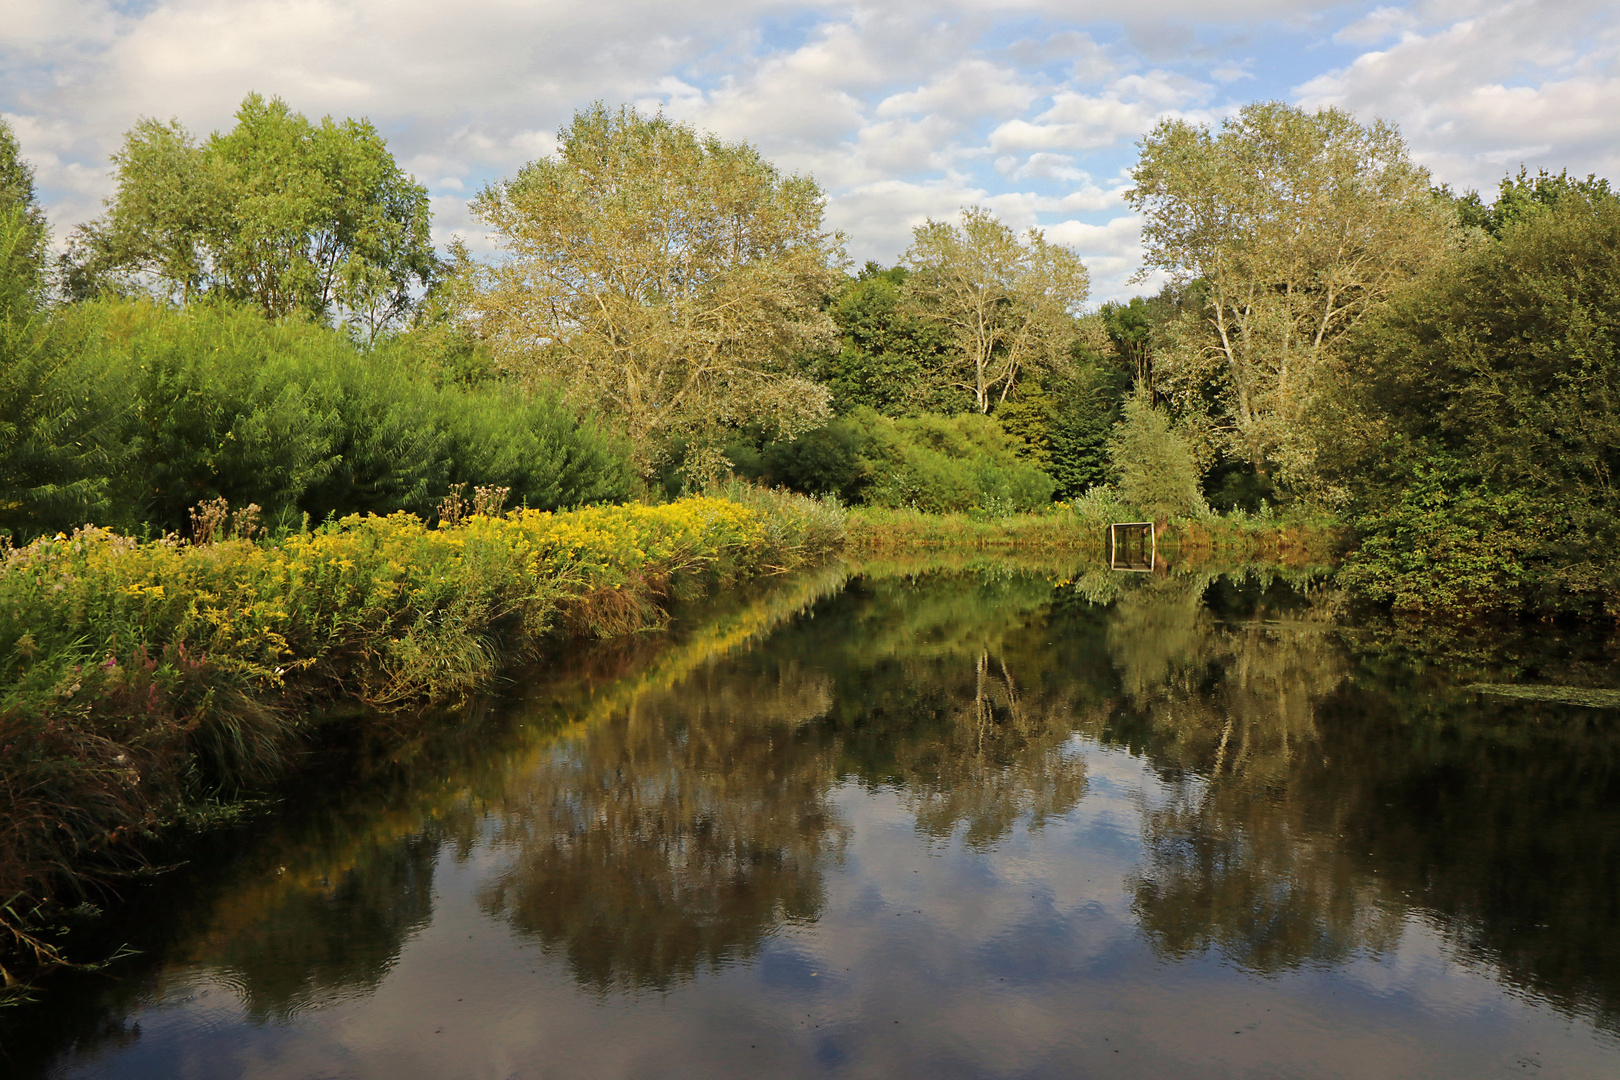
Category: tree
[889,359]
[1009,303]
[667,279]
[24,233]
[290,216]
[1296,224]
[49,448]
[1155,466]
[1481,408]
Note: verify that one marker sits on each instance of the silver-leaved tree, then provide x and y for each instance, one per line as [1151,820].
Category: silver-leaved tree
[669,280]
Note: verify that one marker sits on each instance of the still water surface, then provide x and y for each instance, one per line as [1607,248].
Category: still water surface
[963,823]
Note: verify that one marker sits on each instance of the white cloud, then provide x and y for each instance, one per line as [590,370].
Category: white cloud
[1230,73]
[1474,88]
[903,110]
[972,89]
[1080,121]
[1382,24]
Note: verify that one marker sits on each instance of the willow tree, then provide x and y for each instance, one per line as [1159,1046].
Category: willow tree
[1009,303]
[291,216]
[1294,224]
[665,278]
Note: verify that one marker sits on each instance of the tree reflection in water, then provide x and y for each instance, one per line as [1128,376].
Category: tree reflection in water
[1225,711]
[679,830]
[663,806]
[1318,799]
[673,835]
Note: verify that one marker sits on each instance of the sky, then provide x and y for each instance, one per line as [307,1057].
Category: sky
[903,110]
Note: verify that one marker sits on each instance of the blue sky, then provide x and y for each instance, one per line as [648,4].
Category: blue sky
[903,110]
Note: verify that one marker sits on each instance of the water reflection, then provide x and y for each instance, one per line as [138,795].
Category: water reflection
[672,836]
[1318,798]
[659,812]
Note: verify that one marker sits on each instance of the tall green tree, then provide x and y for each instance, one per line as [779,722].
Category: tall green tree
[26,232]
[1296,224]
[1476,424]
[1009,302]
[668,279]
[888,357]
[291,216]
[1154,464]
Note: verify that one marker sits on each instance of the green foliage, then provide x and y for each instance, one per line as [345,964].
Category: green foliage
[666,279]
[1447,547]
[1521,197]
[1293,225]
[1499,380]
[1154,464]
[939,464]
[144,412]
[24,232]
[1027,417]
[889,359]
[1085,405]
[291,216]
[1130,329]
[1008,302]
[931,463]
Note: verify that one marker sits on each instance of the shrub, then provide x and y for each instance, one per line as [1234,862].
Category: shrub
[930,463]
[152,411]
[1157,475]
[1447,547]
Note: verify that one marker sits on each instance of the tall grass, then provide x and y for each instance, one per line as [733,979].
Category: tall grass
[874,529]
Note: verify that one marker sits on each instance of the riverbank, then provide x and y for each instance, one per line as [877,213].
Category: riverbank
[1080,528]
[148,686]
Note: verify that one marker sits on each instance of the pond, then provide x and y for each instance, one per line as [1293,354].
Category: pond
[902,821]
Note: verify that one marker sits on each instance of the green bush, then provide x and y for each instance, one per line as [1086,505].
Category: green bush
[148,411]
[932,463]
[1488,397]
[1447,547]
[1155,466]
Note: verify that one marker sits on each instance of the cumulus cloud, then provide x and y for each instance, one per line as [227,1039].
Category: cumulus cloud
[1080,121]
[904,111]
[1479,88]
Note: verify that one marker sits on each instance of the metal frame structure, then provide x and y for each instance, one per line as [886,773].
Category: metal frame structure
[1150,549]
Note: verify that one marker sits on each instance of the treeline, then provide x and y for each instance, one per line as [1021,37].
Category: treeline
[1337,337]
[130,414]
[130,409]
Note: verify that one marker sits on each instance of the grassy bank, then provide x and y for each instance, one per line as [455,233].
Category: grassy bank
[146,684]
[873,530]
[1080,528]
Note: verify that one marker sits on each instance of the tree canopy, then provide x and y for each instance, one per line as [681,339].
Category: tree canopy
[1294,224]
[278,212]
[1008,302]
[668,279]
[889,357]
[24,232]
[1477,422]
